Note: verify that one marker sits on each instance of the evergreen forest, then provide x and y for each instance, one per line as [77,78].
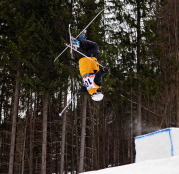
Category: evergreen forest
[138,41]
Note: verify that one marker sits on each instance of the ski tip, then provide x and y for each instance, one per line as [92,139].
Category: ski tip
[60,114]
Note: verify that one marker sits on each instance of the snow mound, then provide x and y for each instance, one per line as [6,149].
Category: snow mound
[157,145]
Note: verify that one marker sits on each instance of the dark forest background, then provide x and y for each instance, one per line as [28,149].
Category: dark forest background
[138,40]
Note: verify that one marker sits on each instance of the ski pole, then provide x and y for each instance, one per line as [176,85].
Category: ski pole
[60,54]
[84,55]
[60,114]
[90,22]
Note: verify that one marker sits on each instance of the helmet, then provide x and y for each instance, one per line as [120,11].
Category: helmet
[98,95]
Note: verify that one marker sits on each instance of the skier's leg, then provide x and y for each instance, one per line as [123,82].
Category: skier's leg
[91,48]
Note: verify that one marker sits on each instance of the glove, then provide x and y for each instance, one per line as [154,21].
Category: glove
[106,69]
[79,91]
[82,90]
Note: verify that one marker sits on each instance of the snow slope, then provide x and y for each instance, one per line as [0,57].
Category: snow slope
[159,166]
[156,153]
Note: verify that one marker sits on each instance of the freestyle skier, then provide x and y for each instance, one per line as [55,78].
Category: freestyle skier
[88,65]
[89,70]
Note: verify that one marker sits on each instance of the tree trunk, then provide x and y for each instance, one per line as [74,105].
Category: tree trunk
[76,129]
[14,121]
[97,132]
[131,147]
[139,125]
[32,119]
[63,138]
[44,141]
[138,128]
[104,139]
[24,141]
[177,62]
[82,148]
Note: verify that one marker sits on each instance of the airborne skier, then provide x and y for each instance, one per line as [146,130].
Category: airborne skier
[89,66]
[89,70]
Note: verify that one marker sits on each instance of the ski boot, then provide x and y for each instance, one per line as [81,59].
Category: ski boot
[81,37]
[75,43]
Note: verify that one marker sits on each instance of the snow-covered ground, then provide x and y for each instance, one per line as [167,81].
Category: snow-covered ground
[159,166]
[157,153]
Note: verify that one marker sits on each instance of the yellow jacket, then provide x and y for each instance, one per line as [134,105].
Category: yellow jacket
[87,66]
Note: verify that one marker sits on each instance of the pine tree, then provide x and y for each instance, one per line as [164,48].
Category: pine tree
[134,54]
[167,45]
[48,77]
[32,39]
[14,41]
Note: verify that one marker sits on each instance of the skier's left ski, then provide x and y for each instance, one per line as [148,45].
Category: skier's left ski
[71,50]
[80,33]
[70,38]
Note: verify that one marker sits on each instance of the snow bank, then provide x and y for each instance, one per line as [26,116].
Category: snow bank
[160,166]
[157,145]
[156,153]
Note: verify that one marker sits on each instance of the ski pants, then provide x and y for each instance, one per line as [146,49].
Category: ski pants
[91,48]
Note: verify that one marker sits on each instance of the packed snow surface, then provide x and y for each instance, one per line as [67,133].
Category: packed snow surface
[159,166]
[156,153]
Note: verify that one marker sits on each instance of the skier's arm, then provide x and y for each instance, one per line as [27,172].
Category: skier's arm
[98,76]
[83,90]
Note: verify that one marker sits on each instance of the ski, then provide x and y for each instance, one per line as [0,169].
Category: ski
[84,55]
[80,33]
[71,50]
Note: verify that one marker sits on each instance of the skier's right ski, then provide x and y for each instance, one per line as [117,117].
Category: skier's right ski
[80,33]
[84,55]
